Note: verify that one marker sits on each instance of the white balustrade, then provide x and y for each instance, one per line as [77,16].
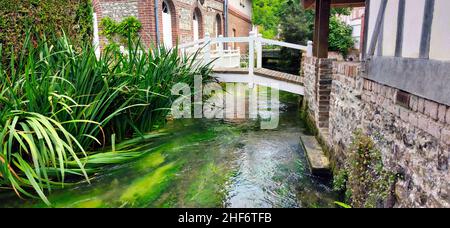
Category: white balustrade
[212,49]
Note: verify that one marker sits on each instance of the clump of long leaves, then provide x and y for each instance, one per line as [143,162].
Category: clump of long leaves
[56,104]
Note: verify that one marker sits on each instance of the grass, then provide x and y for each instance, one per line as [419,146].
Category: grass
[56,104]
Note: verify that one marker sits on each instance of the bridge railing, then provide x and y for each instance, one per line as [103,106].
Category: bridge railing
[213,49]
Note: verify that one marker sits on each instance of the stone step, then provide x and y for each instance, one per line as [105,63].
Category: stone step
[318,162]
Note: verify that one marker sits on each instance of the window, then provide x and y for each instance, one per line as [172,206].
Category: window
[234,35]
[242,3]
[165,8]
[167,25]
[218,26]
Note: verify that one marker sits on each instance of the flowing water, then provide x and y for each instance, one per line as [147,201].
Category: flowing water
[207,163]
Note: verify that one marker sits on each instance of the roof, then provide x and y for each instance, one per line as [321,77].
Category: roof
[309,4]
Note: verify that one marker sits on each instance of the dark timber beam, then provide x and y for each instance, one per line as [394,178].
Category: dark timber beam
[426,29]
[377,29]
[400,24]
[322,28]
[309,4]
[365,30]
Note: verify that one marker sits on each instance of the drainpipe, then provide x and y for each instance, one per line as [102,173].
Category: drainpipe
[225,17]
[157,22]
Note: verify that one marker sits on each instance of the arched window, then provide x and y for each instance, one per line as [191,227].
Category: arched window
[218,26]
[167,25]
[197,24]
[234,35]
[196,28]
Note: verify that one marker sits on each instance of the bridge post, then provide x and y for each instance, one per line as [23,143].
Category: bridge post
[251,54]
[207,48]
[220,46]
[259,51]
[309,52]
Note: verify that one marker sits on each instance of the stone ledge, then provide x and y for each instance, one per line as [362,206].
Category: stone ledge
[319,163]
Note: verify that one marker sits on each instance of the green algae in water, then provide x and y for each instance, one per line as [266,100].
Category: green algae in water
[151,161]
[91,203]
[145,190]
[208,188]
[70,199]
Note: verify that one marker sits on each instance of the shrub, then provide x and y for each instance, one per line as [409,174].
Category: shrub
[120,31]
[367,182]
[74,17]
[340,38]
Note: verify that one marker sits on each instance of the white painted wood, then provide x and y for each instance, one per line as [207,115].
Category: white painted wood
[231,58]
[220,46]
[231,39]
[414,10]
[207,48]
[251,54]
[440,31]
[259,51]
[263,81]
[309,49]
[284,44]
[191,44]
[167,26]
[226,59]
[390,28]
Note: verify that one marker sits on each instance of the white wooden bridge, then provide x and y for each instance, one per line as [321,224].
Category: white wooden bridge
[228,67]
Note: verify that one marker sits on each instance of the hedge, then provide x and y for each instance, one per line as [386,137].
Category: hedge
[49,17]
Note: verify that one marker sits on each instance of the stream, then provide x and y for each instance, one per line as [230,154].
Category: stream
[207,163]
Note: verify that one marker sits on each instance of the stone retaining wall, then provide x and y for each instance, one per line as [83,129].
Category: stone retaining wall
[413,134]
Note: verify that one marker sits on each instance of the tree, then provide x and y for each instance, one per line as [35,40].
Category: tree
[297,26]
[266,14]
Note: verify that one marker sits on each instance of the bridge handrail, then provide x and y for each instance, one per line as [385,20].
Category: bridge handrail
[284,44]
[191,44]
[222,39]
[255,42]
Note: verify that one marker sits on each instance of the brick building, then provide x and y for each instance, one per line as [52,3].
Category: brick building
[180,21]
[356,21]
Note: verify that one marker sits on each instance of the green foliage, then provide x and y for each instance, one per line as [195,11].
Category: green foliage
[340,180]
[367,182]
[297,26]
[120,31]
[343,205]
[74,17]
[340,38]
[266,14]
[57,102]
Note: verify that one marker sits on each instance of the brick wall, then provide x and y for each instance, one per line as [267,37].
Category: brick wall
[413,137]
[242,25]
[181,10]
[318,78]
